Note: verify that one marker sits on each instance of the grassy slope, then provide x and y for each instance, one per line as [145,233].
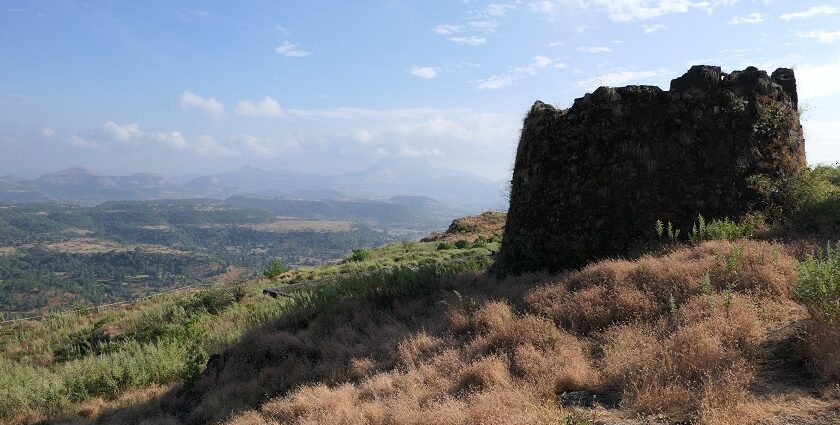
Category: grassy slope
[706,333]
[48,367]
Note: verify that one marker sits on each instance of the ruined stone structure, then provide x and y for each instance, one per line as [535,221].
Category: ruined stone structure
[590,181]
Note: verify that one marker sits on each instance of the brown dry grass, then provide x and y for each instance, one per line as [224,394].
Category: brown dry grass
[487,224]
[822,346]
[646,333]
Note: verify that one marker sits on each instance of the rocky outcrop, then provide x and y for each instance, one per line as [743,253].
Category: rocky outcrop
[591,181]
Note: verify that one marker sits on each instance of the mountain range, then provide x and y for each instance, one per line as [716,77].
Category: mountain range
[413,179]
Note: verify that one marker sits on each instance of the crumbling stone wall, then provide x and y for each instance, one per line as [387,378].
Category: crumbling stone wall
[590,181]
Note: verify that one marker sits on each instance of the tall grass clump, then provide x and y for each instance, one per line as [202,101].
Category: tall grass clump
[819,283]
[725,229]
[819,289]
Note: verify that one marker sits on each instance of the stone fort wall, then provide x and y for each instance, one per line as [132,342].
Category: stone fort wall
[591,180]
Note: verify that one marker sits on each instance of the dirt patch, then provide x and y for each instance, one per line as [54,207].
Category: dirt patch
[282,226]
[77,231]
[155,227]
[94,246]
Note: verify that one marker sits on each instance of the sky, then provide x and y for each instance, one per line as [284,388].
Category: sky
[199,87]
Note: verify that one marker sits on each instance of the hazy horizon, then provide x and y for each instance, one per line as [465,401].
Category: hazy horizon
[204,87]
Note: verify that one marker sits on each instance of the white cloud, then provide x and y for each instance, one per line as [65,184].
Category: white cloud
[810,13]
[467,140]
[123,133]
[263,147]
[291,50]
[447,29]
[752,18]
[622,77]
[267,107]
[209,105]
[822,36]
[47,132]
[496,9]
[555,44]
[510,77]
[477,22]
[426,72]
[595,49]
[627,10]
[580,29]
[494,82]
[115,136]
[650,29]
[483,25]
[367,114]
[363,136]
[469,41]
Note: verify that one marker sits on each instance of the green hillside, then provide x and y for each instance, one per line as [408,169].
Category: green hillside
[54,256]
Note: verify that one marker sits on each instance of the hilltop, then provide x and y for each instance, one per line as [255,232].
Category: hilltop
[485,226]
[655,307]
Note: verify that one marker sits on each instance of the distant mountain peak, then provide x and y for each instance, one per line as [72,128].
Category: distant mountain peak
[72,172]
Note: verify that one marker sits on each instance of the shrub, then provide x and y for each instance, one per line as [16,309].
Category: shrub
[819,289]
[819,283]
[360,254]
[443,246]
[725,229]
[462,244]
[276,268]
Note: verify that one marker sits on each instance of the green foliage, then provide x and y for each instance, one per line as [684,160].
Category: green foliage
[660,229]
[360,254]
[443,246]
[705,284]
[728,296]
[815,195]
[725,229]
[819,283]
[462,244]
[669,231]
[734,259]
[387,284]
[276,268]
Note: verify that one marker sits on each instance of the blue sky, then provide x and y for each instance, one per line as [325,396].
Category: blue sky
[189,87]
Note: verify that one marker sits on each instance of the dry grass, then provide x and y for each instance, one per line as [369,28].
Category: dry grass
[822,346]
[649,333]
[487,225]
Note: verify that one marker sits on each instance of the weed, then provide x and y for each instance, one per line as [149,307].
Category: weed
[705,284]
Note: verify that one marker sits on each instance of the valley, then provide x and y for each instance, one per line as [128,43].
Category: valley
[58,256]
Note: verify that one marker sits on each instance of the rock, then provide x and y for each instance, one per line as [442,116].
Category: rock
[590,181]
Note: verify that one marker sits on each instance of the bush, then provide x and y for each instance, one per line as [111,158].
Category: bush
[360,254]
[462,244]
[819,283]
[443,246]
[815,197]
[276,268]
[725,229]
